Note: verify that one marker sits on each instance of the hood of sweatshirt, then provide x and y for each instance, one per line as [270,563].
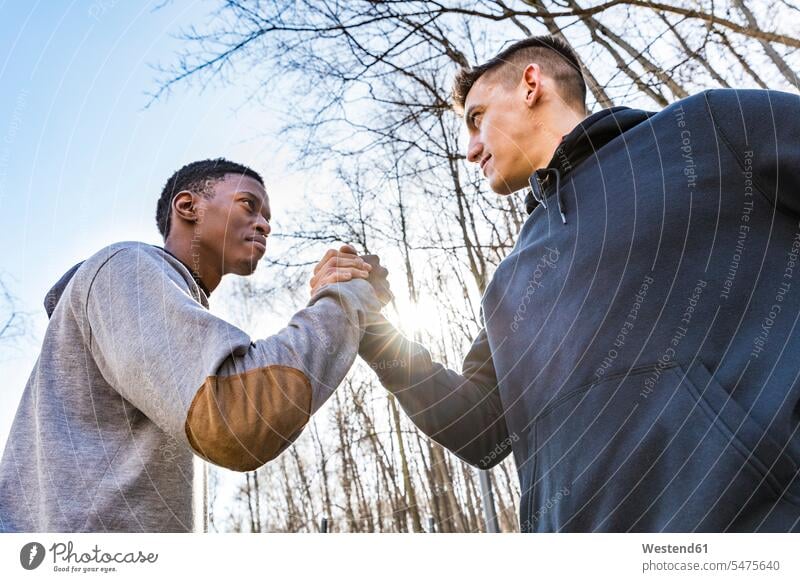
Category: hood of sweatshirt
[585,139]
[56,291]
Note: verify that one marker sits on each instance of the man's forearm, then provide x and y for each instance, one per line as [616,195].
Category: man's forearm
[260,401]
[462,412]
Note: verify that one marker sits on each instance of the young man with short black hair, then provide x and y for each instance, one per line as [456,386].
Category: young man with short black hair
[638,355]
[136,376]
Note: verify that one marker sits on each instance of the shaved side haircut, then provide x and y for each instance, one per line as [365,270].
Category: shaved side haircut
[555,57]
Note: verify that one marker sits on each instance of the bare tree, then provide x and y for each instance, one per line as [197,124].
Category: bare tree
[14,323]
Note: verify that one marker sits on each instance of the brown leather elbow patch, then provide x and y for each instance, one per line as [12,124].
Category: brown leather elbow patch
[242,421]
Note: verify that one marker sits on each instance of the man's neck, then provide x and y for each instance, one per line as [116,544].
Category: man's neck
[556,124]
[186,253]
[567,121]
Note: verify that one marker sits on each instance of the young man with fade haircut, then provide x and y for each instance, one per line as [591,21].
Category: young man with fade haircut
[639,350]
[136,376]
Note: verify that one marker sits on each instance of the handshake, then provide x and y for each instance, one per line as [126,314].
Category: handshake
[345,265]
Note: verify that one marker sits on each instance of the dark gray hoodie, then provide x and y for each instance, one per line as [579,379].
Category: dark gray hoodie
[639,357]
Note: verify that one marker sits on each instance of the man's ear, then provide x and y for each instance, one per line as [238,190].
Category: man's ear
[532,83]
[185,207]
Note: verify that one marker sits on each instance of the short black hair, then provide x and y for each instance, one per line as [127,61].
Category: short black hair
[553,54]
[196,177]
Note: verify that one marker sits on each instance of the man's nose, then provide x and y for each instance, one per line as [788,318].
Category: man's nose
[263,226]
[474,150]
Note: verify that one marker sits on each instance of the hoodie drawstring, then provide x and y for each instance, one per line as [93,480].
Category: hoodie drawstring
[539,176]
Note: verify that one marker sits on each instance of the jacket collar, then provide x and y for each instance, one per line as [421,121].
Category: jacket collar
[585,139]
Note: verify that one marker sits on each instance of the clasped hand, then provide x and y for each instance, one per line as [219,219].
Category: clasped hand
[345,265]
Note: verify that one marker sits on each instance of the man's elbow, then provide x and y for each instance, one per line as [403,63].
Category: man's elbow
[243,421]
[479,457]
[483,450]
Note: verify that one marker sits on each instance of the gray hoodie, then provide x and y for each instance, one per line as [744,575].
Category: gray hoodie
[136,376]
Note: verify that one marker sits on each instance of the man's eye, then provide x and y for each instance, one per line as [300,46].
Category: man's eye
[251,205]
[475,119]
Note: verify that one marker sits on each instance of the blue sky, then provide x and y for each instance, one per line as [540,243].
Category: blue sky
[82,162]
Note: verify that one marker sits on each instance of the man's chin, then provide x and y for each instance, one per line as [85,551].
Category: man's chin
[247,266]
[501,187]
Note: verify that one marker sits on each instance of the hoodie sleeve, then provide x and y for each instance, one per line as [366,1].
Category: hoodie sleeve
[237,403]
[462,412]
